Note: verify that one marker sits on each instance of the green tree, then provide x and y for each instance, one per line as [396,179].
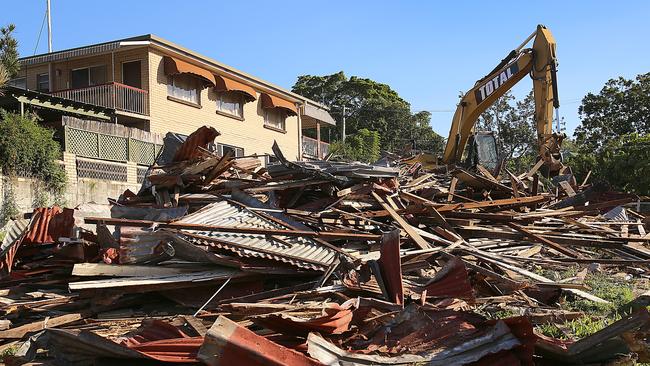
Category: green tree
[362,146]
[9,51]
[620,108]
[622,161]
[369,105]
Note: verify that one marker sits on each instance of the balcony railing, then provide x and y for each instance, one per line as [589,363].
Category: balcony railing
[110,95]
[309,148]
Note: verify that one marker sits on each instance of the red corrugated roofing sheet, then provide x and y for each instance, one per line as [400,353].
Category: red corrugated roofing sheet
[164,342]
[201,137]
[227,343]
[451,281]
[391,266]
[49,225]
[335,320]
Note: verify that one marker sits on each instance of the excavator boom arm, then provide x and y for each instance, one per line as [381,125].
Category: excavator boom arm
[540,63]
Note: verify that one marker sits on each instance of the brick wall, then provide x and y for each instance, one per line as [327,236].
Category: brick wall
[249,134]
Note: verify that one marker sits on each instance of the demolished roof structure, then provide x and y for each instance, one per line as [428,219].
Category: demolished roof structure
[219,260]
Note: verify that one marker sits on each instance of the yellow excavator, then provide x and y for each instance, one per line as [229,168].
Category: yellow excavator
[540,63]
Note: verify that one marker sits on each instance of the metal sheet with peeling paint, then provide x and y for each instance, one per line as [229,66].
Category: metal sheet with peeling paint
[299,251]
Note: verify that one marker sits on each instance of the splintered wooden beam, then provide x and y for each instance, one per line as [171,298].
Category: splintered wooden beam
[410,230]
[229,229]
[542,240]
[521,201]
[452,189]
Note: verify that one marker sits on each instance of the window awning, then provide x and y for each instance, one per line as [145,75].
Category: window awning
[312,115]
[174,66]
[224,84]
[271,101]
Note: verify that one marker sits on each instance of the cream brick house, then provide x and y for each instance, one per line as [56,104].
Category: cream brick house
[153,85]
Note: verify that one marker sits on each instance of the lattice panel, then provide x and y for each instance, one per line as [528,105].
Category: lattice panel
[142,172]
[82,143]
[113,148]
[142,152]
[101,170]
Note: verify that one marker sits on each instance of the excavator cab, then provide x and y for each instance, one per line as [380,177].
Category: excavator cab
[482,149]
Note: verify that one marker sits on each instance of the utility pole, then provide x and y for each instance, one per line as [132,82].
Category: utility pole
[343,134]
[49,28]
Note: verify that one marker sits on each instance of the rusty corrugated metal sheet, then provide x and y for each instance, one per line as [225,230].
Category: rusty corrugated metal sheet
[416,336]
[299,251]
[390,266]
[334,319]
[164,342]
[451,281]
[201,137]
[230,344]
[14,231]
[49,224]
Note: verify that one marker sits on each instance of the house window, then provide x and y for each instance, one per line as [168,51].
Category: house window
[43,83]
[271,160]
[89,76]
[224,149]
[18,83]
[185,87]
[230,103]
[275,118]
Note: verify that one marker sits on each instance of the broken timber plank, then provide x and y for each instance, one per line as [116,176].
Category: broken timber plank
[521,201]
[102,269]
[410,231]
[498,261]
[542,240]
[230,229]
[452,189]
[21,331]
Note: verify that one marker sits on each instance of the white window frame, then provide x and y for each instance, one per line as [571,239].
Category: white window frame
[239,151]
[221,109]
[172,89]
[282,115]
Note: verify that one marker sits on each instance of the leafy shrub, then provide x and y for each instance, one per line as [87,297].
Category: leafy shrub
[28,149]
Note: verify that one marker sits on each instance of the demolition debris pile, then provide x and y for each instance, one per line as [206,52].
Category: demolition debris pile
[218,260]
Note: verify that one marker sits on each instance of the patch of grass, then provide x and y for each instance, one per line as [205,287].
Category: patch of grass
[586,326]
[551,330]
[9,351]
[597,315]
[617,292]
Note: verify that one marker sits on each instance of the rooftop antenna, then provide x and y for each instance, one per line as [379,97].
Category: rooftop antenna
[49,28]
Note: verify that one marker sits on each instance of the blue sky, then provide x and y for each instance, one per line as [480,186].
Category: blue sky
[428,51]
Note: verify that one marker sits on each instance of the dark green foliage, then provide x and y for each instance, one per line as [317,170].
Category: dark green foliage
[9,51]
[613,139]
[621,108]
[623,162]
[362,146]
[27,149]
[373,106]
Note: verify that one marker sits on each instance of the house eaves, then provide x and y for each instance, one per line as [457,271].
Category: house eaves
[161,43]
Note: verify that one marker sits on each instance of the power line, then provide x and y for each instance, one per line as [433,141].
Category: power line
[38,40]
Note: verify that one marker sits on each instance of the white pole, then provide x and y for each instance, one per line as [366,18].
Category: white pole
[343,134]
[49,28]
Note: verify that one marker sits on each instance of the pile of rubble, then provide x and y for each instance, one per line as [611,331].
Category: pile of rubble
[219,260]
